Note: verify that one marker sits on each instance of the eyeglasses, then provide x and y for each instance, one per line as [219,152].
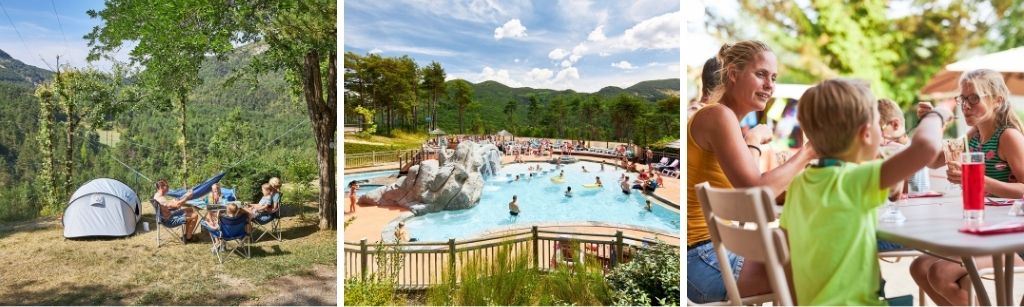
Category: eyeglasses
[968,101]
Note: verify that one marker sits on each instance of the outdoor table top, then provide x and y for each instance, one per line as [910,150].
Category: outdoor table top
[933,224]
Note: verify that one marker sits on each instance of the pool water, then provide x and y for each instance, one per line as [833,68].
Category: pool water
[543,201]
[363,189]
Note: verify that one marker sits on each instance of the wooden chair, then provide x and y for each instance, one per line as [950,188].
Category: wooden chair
[726,212]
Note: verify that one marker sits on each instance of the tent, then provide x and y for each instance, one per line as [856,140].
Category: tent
[102,207]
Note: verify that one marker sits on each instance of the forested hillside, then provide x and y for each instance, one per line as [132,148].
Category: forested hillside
[250,128]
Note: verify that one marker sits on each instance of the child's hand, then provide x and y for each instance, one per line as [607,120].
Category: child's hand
[923,107]
[953,172]
[758,135]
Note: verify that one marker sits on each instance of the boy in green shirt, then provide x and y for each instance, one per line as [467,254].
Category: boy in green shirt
[830,212]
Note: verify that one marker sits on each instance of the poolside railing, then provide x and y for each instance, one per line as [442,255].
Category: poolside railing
[375,158]
[425,264]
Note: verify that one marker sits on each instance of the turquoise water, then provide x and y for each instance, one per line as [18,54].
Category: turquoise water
[544,201]
[346,178]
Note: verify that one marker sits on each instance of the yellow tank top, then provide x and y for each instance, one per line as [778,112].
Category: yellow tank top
[701,166]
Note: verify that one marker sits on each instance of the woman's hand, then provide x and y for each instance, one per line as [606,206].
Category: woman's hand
[953,172]
[758,135]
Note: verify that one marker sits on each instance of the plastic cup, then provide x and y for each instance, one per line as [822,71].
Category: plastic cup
[972,170]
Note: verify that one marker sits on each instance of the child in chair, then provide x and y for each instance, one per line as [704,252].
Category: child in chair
[831,208]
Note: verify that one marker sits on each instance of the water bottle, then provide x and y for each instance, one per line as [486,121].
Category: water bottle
[919,183]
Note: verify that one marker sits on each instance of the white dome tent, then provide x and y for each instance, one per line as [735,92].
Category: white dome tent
[101,208]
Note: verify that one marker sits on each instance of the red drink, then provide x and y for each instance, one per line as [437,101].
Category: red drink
[973,180]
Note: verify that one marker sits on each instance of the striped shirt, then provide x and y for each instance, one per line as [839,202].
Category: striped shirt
[995,166]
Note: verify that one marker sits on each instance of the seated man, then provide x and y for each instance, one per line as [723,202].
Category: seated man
[172,212]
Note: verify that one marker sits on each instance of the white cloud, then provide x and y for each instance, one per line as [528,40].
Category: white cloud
[516,60]
[500,75]
[480,11]
[661,32]
[557,54]
[597,35]
[511,29]
[566,63]
[603,53]
[567,75]
[421,50]
[623,65]
[539,74]
[375,50]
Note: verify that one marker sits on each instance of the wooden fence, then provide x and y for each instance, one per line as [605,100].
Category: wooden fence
[424,264]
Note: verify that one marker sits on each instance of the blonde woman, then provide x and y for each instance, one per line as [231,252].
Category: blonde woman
[996,131]
[719,153]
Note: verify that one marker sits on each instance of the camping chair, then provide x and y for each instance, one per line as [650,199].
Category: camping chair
[765,244]
[159,219]
[270,227]
[232,229]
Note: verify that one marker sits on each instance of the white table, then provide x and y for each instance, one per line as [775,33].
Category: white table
[932,225]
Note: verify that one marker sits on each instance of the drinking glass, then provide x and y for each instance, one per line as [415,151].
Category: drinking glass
[972,168]
[891,213]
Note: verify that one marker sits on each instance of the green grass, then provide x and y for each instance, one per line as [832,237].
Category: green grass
[399,141]
[41,268]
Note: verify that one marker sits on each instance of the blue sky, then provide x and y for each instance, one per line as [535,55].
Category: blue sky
[579,45]
[41,30]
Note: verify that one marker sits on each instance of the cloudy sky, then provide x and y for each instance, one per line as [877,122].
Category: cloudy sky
[579,45]
[49,29]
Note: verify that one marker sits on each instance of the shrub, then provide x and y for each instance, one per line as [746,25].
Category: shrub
[380,287]
[652,277]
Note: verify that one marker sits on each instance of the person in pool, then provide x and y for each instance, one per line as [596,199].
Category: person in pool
[602,166]
[598,181]
[401,235]
[513,207]
[568,191]
[648,207]
[561,174]
[584,169]
[624,184]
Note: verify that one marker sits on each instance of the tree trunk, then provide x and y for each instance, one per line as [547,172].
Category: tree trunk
[325,123]
[69,163]
[183,135]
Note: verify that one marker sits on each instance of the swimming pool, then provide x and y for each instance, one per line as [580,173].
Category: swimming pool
[543,201]
[363,189]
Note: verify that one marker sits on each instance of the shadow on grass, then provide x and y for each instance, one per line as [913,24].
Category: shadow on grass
[299,231]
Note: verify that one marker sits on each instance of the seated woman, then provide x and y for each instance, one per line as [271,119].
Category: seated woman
[996,131]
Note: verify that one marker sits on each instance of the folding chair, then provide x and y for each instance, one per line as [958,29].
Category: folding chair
[723,209]
[159,219]
[232,229]
[271,227]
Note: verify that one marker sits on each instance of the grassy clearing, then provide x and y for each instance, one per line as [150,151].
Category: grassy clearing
[41,268]
[398,141]
[109,137]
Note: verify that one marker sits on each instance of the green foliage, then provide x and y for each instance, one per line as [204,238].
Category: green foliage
[652,277]
[897,54]
[367,114]
[509,279]
[379,287]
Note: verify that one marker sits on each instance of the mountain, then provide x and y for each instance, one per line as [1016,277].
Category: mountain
[14,71]
[652,90]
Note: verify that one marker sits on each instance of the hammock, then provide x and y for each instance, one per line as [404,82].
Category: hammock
[199,190]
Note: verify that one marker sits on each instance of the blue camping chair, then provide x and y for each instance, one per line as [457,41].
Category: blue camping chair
[175,234]
[269,224]
[232,229]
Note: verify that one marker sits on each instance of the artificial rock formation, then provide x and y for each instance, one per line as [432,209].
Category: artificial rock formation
[450,183]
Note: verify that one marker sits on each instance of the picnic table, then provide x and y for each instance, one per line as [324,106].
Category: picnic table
[933,224]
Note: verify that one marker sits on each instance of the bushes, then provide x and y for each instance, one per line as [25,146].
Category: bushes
[248,177]
[380,287]
[509,279]
[652,277]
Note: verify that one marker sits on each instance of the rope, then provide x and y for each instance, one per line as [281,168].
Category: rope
[122,163]
[59,24]
[267,144]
